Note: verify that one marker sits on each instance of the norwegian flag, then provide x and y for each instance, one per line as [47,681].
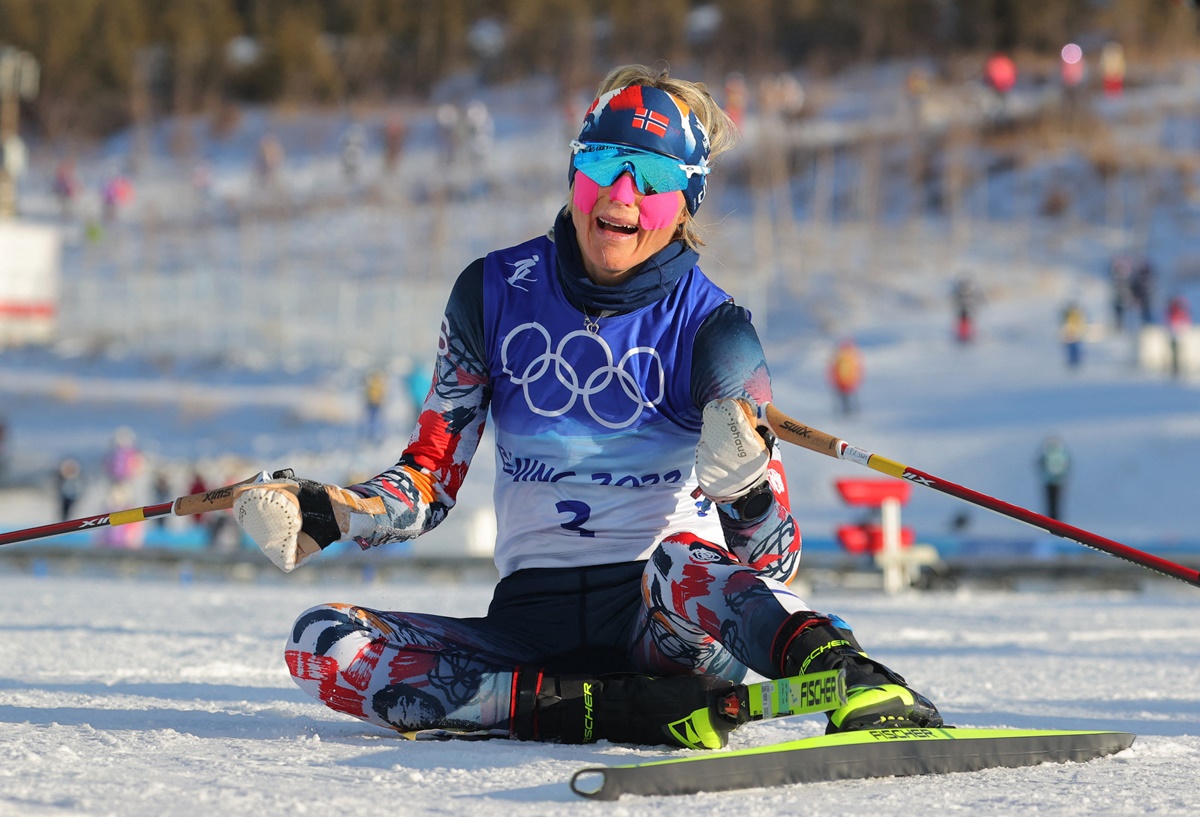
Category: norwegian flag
[647,119]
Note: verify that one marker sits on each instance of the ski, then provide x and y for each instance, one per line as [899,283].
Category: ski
[849,755]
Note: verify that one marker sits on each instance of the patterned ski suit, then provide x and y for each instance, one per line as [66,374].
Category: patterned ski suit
[608,563]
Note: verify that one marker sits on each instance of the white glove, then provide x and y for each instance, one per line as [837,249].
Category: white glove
[293,520]
[732,456]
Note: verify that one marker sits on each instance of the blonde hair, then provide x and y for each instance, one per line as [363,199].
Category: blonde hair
[722,133]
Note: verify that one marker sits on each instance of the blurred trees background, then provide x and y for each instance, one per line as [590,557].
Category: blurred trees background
[106,63]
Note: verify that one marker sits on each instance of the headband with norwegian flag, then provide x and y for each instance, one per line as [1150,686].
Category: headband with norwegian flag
[651,119]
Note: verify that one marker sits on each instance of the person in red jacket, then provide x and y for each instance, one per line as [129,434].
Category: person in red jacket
[1179,321]
[846,375]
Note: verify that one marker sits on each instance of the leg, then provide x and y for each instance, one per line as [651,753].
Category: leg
[413,672]
[587,685]
[404,671]
[706,612]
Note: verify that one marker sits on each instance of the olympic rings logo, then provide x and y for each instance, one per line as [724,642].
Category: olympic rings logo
[594,384]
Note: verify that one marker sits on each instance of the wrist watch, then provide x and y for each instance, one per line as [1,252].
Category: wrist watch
[754,505]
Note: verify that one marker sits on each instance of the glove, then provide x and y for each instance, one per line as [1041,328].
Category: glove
[293,520]
[732,455]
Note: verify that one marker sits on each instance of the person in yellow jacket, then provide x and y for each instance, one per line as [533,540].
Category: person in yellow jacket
[1072,331]
[374,395]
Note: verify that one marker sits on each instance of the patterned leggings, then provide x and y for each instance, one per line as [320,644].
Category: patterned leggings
[692,608]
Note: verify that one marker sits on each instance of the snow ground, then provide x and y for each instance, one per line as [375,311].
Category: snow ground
[144,699]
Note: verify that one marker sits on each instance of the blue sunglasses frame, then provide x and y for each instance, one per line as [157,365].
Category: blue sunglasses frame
[603,163]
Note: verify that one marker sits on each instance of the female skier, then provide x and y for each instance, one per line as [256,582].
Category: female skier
[619,379]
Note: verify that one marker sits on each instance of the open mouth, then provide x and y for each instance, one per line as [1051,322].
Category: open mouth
[624,229]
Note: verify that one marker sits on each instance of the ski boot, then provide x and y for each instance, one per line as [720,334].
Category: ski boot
[692,711]
[876,697]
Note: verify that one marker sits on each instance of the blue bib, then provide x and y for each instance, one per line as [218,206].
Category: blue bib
[596,430]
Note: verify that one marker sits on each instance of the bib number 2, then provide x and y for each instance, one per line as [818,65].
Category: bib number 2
[582,512]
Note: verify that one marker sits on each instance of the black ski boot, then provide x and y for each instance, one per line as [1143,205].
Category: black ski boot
[876,697]
[692,711]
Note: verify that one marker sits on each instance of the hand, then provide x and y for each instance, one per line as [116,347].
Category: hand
[293,520]
[732,456]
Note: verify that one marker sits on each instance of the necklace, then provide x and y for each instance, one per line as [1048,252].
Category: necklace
[592,322]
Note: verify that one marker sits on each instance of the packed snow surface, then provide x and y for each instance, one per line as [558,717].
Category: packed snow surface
[165,698]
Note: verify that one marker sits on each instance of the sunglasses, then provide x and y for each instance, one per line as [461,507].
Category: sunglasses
[604,163]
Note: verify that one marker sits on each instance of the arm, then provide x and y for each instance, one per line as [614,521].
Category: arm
[728,362]
[421,488]
[292,520]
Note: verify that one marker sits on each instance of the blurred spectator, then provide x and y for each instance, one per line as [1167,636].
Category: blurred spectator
[448,133]
[1074,66]
[202,181]
[197,486]
[66,187]
[1072,330]
[69,482]
[916,86]
[122,465]
[1141,287]
[782,96]
[1053,464]
[116,195]
[735,98]
[395,134]
[124,460]
[1112,68]
[161,487]
[1001,74]
[967,298]
[1074,72]
[479,124]
[573,105]
[1179,322]
[269,161]
[791,98]
[481,134]
[1121,276]
[374,396]
[354,149]
[845,375]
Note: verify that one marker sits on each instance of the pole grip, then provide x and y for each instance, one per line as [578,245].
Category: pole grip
[796,433]
[219,499]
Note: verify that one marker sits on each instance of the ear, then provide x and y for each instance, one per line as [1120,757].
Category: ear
[681,222]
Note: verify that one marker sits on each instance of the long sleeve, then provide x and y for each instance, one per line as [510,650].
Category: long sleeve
[422,487]
[728,361]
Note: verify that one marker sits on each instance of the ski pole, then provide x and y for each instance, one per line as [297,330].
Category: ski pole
[799,434]
[219,499]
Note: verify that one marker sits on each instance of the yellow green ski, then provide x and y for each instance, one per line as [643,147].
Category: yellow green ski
[849,755]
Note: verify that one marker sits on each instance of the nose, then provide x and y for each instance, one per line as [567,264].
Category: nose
[622,190]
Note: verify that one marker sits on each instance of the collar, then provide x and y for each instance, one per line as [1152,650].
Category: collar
[653,280]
